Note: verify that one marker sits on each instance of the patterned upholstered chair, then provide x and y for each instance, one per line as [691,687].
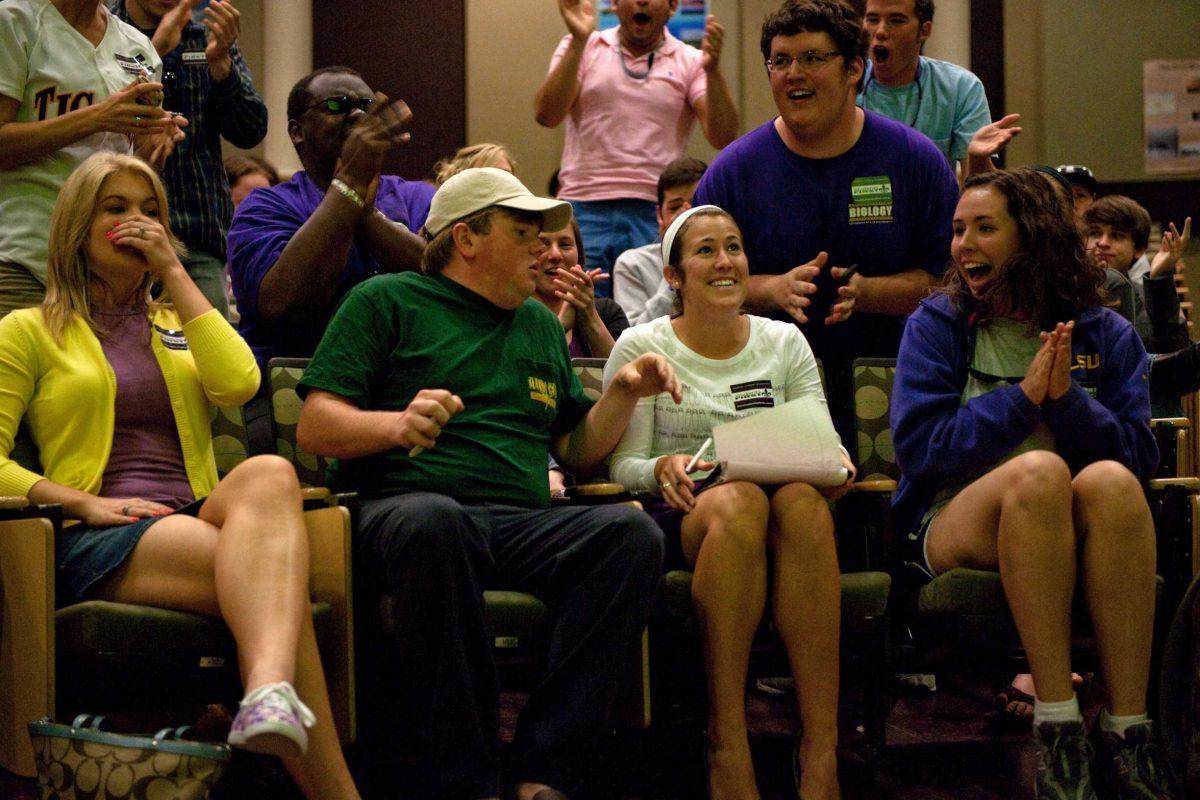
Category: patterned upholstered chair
[103,657]
[284,375]
[228,438]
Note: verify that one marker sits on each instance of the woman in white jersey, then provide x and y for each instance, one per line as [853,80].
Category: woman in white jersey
[69,73]
[742,540]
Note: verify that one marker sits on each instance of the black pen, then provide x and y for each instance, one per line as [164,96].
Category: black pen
[848,274]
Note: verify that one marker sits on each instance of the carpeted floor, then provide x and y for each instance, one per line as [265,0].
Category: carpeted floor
[938,749]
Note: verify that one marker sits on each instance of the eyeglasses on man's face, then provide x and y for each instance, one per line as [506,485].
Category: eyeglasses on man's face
[809,60]
[341,104]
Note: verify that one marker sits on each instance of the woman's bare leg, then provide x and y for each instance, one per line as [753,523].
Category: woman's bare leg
[247,545]
[806,596]
[261,565]
[1018,518]
[725,536]
[1118,564]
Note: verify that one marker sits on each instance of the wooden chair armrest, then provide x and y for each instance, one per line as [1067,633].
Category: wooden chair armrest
[1186,483]
[883,486]
[596,490]
[26,632]
[13,502]
[1170,422]
[331,581]
[310,493]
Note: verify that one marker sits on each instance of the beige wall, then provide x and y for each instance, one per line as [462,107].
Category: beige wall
[1074,71]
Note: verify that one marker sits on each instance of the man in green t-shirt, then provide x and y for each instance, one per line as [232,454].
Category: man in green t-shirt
[440,394]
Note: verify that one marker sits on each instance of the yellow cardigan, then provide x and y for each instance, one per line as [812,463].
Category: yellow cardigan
[67,394]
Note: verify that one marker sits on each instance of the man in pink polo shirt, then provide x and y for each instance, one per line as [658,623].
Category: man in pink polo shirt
[630,96]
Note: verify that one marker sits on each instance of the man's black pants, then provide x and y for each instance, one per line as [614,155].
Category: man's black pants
[431,706]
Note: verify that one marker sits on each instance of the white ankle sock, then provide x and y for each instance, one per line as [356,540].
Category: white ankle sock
[1064,711]
[1117,725]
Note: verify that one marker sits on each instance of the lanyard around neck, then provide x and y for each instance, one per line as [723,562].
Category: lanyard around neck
[920,96]
[639,76]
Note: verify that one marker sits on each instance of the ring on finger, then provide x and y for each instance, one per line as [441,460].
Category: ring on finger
[141,232]
[125,510]
[665,485]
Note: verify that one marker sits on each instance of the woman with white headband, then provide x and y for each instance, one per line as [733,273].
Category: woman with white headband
[742,540]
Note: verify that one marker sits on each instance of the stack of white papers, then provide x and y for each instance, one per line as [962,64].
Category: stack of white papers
[791,443]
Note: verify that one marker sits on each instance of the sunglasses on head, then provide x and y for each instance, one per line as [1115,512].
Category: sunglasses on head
[342,104]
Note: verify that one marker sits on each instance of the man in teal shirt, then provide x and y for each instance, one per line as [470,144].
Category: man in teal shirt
[941,100]
[441,394]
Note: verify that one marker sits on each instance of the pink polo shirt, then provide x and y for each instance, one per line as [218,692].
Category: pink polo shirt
[623,131]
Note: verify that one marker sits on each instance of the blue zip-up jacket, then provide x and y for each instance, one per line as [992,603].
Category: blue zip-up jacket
[1104,416]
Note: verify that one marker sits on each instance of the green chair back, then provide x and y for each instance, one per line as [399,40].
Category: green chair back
[872,395]
[284,375]
[228,438]
[591,374]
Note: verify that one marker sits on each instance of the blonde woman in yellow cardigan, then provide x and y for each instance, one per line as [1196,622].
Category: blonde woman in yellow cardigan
[116,390]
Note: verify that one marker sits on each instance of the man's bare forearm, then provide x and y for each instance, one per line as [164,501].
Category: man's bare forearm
[395,247]
[720,120]
[333,427]
[896,294]
[597,433]
[307,271]
[759,294]
[558,91]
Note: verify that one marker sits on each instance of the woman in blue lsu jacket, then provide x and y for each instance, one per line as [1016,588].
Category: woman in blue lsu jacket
[1021,426]
[116,390]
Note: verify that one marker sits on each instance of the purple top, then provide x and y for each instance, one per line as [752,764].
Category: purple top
[146,459]
[885,205]
[263,225]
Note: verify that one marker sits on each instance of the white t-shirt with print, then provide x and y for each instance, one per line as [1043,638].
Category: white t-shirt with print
[775,366]
[51,69]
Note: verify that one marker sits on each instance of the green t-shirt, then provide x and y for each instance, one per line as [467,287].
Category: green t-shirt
[1004,349]
[397,334]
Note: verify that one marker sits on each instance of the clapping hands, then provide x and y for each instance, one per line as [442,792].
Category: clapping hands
[1049,373]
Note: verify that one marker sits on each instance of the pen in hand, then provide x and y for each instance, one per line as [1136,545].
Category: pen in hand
[692,464]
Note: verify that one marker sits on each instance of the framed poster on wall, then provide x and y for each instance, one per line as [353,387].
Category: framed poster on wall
[1171,114]
[687,23]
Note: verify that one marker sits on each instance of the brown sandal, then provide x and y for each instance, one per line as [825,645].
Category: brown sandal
[1013,711]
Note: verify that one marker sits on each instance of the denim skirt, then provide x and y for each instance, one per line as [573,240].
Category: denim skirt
[86,555]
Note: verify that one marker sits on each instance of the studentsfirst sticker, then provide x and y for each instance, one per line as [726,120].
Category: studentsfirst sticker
[871,199]
[172,340]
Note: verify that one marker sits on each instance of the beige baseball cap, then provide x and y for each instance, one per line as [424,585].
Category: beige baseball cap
[480,187]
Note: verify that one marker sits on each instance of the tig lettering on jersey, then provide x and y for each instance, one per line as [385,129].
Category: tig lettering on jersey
[49,98]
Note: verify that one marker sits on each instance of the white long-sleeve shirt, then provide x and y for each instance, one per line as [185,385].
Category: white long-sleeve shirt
[775,366]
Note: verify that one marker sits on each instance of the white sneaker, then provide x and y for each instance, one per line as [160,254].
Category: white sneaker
[775,685]
[271,719]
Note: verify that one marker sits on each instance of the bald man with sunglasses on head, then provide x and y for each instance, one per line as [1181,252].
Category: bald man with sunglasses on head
[295,249]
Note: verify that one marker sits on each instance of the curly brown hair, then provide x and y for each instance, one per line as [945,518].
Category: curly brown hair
[1049,279]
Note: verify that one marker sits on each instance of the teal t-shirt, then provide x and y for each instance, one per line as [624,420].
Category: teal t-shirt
[1004,349]
[394,335]
[946,103]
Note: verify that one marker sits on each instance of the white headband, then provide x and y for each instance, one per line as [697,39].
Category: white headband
[676,225]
